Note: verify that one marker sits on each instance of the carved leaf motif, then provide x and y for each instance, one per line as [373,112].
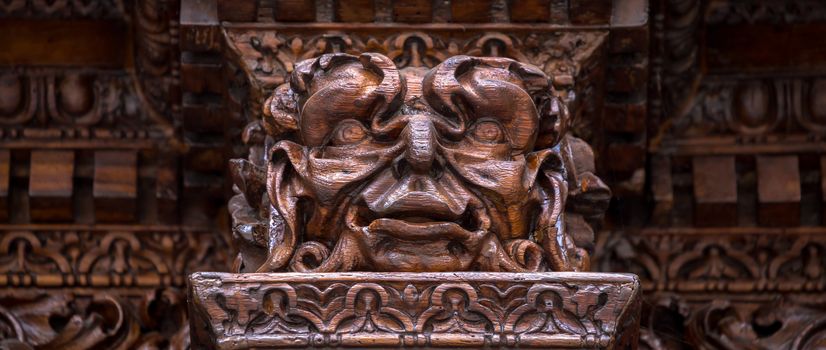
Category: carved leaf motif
[341,307]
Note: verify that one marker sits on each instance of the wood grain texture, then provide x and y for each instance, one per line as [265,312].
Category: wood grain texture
[115,186]
[51,185]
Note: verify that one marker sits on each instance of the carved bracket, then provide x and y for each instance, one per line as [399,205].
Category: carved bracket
[437,310]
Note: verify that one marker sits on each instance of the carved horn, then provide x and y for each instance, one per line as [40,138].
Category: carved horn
[461,88]
[335,87]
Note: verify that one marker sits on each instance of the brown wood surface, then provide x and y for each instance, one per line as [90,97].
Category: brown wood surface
[415,170]
[650,86]
[355,10]
[757,47]
[530,10]
[424,310]
[778,190]
[115,186]
[715,191]
[51,185]
[413,11]
[91,43]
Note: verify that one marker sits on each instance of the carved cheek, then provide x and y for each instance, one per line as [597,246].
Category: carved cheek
[331,169]
[495,170]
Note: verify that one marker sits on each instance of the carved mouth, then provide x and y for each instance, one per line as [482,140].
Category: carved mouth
[420,225]
[417,240]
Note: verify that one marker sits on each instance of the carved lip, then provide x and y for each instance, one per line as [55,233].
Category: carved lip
[432,230]
[424,224]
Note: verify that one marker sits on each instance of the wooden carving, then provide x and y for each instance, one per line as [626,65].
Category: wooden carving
[360,166]
[422,310]
[79,320]
[445,176]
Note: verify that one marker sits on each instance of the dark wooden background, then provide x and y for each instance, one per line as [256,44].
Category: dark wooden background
[118,117]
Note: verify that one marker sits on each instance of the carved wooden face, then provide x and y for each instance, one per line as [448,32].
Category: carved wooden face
[416,170]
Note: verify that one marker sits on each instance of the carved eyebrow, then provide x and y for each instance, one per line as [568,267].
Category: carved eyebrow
[334,87]
[479,88]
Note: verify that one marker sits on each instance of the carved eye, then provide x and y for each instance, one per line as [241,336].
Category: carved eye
[488,132]
[349,132]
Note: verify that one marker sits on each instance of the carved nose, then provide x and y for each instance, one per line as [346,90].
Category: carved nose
[421,144]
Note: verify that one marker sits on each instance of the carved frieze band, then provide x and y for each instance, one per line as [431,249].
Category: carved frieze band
[63,9]
[270,52]
[63,99]
[742,260]
[794,321]
[757,107]
[570,310]
[101,256]
[77,319]
[267,53]
[752,11]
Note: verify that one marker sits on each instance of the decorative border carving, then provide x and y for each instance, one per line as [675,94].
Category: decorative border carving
[736,260]
[77,319]
[67,98]
[794,321]
[266,54]
[106,256]
[570,310]
[779,12]
[63,9]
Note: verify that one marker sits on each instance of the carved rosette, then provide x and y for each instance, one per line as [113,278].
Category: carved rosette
[358,165]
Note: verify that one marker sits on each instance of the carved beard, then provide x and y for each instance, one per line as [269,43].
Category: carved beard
[373,213]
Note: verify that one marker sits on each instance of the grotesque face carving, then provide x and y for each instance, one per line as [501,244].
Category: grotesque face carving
[366,167]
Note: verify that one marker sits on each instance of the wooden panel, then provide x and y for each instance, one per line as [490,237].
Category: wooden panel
[294,10]
[198,116]
[758,47]
[355,11]
[590,11]
[115,186]
[64,43]
[626,79]
[201,73]
[530,10]
[627,117]
[778,191]
[412,10]
[238,10]
[199,26]
[472,11]
[204,156]
[715,191]
[625,157]
[50,185]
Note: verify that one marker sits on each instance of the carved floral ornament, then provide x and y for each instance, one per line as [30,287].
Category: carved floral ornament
[357,165]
